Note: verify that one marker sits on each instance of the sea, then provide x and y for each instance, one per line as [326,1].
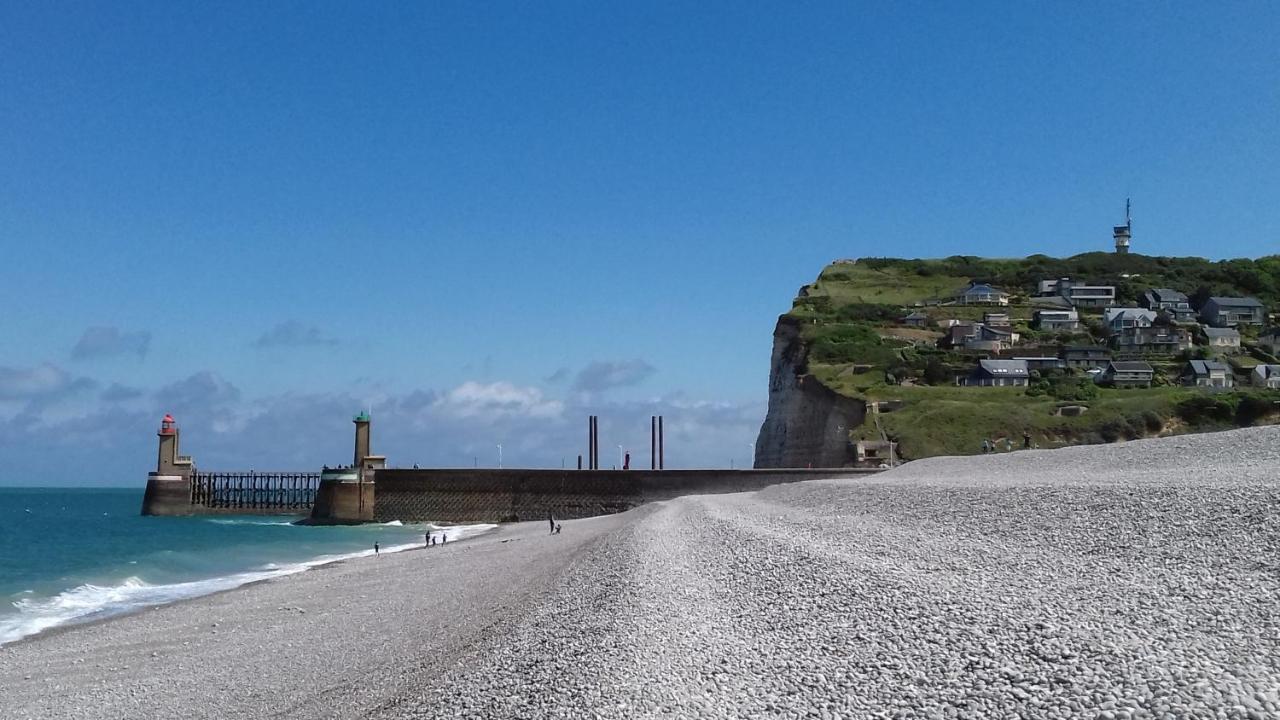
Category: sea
[70,556]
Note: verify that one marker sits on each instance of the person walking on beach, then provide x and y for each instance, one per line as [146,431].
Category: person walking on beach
[375,548]
[551,521]
[1026,439]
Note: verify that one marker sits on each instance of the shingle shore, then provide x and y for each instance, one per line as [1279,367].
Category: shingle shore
[1137,580]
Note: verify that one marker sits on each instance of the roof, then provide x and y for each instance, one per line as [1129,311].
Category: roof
[1240,301]
[1168,295]
[1005,368]
[1267,371]
[1112,313]
[983,288]
[1213,332]
[1131,366]
[1204,367]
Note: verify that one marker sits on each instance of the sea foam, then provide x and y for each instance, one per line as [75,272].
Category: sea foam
[90,602]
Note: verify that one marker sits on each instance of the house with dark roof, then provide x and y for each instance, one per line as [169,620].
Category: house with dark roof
[982,294]
[1165,299]
[999,373]
[1226,340]
[1119,318]
[1126,373]
[1084,357]
[1153,339]
[1231,311]
[916,319]
[1207,373]
[978,336]
[1266,376]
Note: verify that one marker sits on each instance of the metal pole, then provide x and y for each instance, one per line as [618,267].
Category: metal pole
[661,454]
[653,442]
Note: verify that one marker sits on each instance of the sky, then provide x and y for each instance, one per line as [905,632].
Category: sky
[484,222]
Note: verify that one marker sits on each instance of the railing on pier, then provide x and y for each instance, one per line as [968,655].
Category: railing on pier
[282,491]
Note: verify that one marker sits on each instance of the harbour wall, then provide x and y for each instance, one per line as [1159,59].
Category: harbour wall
[468,495]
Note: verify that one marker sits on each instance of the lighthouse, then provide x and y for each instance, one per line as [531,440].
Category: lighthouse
[1123,233]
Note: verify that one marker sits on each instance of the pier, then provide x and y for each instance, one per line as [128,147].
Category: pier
[255,491]
[369,491]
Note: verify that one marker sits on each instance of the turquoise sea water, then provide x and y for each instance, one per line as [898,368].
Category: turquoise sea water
[72,555]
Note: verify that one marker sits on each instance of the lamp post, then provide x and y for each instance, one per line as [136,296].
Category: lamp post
[499,457]
[619,456]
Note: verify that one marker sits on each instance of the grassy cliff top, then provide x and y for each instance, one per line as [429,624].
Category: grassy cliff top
[851,322]
[904,282]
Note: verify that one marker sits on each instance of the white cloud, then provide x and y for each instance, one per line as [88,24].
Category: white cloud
[498,399]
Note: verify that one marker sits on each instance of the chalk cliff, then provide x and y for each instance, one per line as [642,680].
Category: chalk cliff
[807,423]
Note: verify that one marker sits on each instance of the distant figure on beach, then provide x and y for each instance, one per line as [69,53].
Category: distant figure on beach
[426,539]
[1008,444]
[556,529]
[1026,440]
[443,538]
[375,548]
[626,463]
[551,521]
[986,446]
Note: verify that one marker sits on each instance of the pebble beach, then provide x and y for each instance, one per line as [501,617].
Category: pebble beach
[1139,580]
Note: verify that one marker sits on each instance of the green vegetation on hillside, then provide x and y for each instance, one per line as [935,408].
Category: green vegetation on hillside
[851,321]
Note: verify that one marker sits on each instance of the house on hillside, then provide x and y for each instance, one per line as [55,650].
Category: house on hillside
[999,373]
[996,319]
[1078,294]
[1126,373]
[1119,318]
[978,336]
[1270,339]
[1207,373]
[1042,363]
[1047,288]
[1173,304]
[1266,376]
[1056,320]
[1165,299]
[1152,339]
[1090,295]
[916,319]
[1084,357]
[1226,340]
[1230,311]
[982,294]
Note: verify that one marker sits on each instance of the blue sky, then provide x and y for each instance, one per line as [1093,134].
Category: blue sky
[487,221]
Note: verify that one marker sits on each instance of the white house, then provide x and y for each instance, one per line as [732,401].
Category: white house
[1225,340]
[1266,376]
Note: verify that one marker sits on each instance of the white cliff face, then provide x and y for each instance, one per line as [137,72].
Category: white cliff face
[807,424]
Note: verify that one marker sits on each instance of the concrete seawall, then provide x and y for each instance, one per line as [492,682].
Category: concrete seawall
[467,495]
